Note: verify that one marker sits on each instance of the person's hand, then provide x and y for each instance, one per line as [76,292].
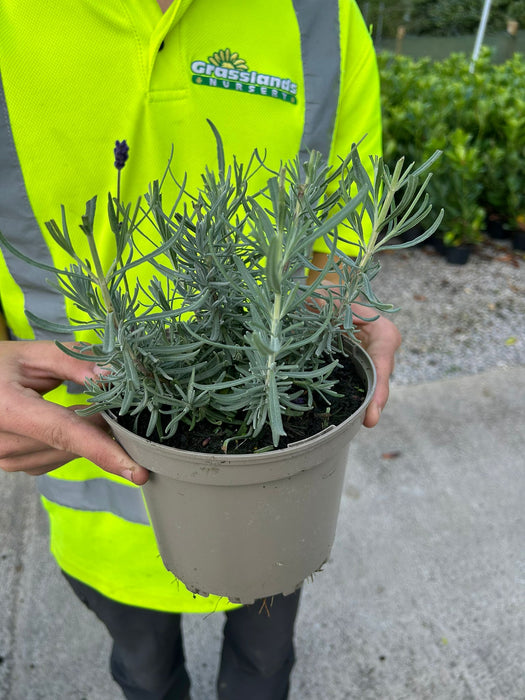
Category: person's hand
[380,338]
[37,436]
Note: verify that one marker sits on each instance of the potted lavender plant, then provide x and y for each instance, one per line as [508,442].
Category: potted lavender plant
[229,373]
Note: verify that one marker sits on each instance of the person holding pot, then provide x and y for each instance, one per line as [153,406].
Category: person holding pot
[284,77]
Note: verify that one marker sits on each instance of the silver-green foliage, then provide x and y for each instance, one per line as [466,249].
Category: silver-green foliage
[228,328]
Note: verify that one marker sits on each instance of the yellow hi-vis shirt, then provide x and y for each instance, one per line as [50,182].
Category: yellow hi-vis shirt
[281,76]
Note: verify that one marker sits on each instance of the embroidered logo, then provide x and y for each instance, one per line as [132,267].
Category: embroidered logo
[227,70]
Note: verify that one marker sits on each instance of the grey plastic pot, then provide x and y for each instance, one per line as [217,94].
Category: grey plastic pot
[248,526]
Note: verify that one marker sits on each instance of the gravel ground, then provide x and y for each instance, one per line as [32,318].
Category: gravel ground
[455,320]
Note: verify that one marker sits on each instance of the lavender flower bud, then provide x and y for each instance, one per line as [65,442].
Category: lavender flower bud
[121,154]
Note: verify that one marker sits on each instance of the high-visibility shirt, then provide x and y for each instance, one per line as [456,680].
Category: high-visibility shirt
[281,76]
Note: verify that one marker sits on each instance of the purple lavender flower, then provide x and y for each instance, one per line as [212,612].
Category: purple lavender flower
[121,151]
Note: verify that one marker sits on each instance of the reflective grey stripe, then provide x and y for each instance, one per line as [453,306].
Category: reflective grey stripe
[19,225]
[96,495]
[321,54]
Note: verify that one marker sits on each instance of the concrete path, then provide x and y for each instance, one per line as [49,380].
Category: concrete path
[423,599]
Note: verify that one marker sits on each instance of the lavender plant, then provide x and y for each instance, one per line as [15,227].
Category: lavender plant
[223,324]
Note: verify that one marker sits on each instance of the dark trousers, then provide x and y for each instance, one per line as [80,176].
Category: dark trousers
[147,659]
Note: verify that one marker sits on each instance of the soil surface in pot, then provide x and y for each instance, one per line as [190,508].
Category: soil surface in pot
[208,437]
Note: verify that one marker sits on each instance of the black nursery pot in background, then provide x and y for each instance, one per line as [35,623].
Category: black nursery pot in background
[457,255]
[518,240]
[438,244]
[495,227]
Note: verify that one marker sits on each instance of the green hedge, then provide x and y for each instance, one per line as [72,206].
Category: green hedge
[476,119]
